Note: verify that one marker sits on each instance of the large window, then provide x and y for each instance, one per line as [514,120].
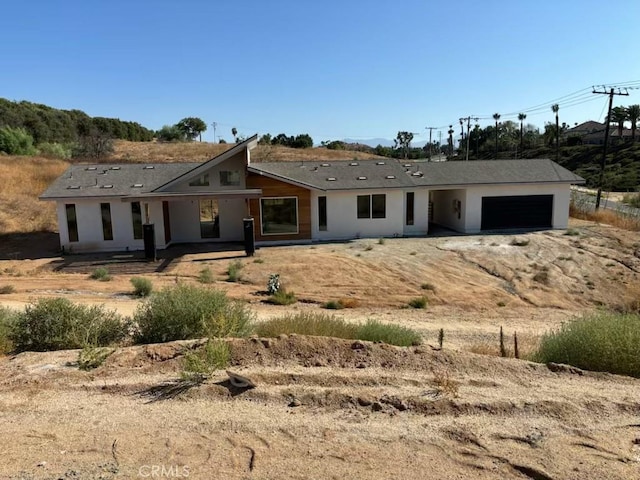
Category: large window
[209,219]
[230,178]
[279,216]
[107,229]
[410,203]
[201,181]
[372,206]
[322,214]
[72,222]
[136,220]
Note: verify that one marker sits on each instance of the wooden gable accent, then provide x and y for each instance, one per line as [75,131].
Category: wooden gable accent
[276,188]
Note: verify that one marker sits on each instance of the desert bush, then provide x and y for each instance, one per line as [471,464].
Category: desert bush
[419,302]
[92,357]
[632,200]
[381,241]
[213,355]
[7,319]
[393,334]
[307,323]
[333,305]
[520,242]
[186,311]
[142,287]
[282,297]
[6,289]
[101,274]
[234,271]
[428,286]
[444,384]
[273,284]
[58,324]
[205,276]
[602,341]
[321,324]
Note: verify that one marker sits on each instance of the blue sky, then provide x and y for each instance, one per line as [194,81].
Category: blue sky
[333,69]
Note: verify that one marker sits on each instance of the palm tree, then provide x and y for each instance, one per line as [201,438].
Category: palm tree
[554,108]
[521,117]
[450,132]
[234,132]
[619,115]
[496,117]
[633,114]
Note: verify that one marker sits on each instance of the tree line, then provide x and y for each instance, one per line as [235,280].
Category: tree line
[27,127]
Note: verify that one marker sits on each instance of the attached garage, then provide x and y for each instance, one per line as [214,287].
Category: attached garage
[517,211]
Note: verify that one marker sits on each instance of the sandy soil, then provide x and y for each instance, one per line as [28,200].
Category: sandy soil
[327,408]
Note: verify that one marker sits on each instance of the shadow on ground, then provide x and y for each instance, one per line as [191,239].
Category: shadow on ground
[29,246]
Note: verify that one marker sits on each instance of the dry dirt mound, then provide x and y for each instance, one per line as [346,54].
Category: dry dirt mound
[345,408]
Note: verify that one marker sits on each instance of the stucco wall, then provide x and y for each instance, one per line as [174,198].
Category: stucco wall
[420,212]
[561,199]
[90,235]
[235,163]
[343,221]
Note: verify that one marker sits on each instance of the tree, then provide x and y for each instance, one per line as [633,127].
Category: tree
[619,115]
[95,145]
[555,108]
[192,127]
[496,117]
[234,132]
[521,117]
[450,132]
[170,133]
[265,139]
[633,114]
[403,141]
[16,141]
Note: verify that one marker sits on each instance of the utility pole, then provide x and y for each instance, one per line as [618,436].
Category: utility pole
[214,125]
[468,120]
[603,164]
[431,129]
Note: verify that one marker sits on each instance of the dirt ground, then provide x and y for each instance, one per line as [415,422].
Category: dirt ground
[328,408]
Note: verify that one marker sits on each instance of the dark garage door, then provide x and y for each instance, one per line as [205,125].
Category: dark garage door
[526,211]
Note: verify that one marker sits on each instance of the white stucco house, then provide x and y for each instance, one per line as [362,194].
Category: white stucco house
[105,207]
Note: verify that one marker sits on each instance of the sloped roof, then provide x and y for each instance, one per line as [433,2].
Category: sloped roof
[391,173]
[87,181]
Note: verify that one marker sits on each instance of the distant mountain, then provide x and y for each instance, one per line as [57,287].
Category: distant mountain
[385,142]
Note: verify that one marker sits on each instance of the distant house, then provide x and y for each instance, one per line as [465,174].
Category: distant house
[592,133]
[104,207]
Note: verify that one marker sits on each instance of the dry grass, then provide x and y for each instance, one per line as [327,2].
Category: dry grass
[23,179]
[527,345]
[141,152]
[626,222]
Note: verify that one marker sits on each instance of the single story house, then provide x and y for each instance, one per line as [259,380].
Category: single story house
[104,207]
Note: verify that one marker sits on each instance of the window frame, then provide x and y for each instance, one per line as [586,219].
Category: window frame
[322,213]
[227,183]
[373,210]
[377,214]
[201,181]
[72,225]
[360,204]
[263,233]
[215,234]
[409,218]
[107,221]
[134,222]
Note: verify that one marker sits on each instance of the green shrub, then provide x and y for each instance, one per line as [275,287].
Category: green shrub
[6,289]
[185,311]
[142,287]
[632,200]
[7,319]
[393,334]
[419,302]
[381,241]
[307,323]
[205,276]
[320,324]
[101,274]
[572,232]
[16,141]
[282,297]
[92,357]
[58,324]
[234,271]
[55,150]
[214,355]
[603,341]
[333,305]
